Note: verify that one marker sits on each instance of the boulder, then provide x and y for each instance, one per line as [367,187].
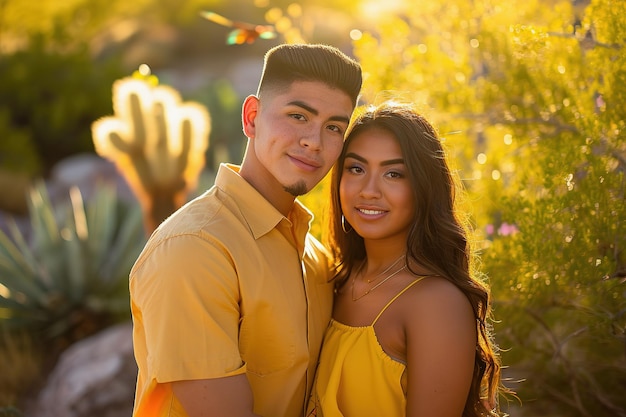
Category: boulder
[93,378]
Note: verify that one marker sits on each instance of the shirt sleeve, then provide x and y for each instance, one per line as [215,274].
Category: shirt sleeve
[188,294]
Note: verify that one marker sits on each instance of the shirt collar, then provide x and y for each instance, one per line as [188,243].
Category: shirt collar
[260,215]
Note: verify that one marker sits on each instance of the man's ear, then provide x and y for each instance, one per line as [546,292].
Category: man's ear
[249,112]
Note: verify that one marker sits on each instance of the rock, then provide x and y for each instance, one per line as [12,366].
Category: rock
[93,378]
[86,171]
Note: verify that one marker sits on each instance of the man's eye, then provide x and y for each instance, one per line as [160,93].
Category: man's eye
[335,128]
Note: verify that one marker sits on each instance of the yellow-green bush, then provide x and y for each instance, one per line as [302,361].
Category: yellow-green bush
[531,100]
[49,98]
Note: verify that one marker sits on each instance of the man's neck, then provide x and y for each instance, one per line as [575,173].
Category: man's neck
[271,190]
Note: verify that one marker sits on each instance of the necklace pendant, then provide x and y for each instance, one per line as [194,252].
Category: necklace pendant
[375,286]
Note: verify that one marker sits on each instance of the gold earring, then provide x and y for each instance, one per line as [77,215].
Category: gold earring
[343,225]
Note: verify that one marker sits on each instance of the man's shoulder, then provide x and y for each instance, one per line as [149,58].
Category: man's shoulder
[206,218]
[203,222]
[201,213]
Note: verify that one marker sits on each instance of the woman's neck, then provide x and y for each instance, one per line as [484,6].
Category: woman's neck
[381,255]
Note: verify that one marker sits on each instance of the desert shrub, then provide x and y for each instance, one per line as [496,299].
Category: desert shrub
[530,99]
[21,362]
[50,96]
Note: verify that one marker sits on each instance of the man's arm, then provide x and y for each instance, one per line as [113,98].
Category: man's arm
[220,397]
[187,306]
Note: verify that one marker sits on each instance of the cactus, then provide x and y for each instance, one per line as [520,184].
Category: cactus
[157,142]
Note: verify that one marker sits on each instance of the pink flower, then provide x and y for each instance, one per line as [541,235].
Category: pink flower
[507,229]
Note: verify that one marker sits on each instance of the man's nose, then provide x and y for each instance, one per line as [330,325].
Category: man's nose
[312,138]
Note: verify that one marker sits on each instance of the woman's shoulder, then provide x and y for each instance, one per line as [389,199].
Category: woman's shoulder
[433,285]
[431,293]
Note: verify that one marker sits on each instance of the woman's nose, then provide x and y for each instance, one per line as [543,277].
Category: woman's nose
[370,187]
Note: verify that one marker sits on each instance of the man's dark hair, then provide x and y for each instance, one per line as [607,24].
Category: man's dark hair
[287,63]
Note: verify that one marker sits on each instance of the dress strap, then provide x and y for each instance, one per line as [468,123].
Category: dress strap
[421,277]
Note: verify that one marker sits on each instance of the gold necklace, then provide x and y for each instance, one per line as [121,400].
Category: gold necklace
[369,281]
[375,286]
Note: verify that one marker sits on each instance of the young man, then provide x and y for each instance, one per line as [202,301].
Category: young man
[231,295]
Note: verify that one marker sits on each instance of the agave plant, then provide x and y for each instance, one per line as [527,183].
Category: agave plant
[68,278]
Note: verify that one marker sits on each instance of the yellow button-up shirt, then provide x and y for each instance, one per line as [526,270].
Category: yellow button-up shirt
[228,285]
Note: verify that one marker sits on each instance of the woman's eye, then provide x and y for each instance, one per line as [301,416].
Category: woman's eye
[395,174]
[354,169]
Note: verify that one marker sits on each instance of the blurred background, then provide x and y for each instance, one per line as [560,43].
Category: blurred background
[530,98]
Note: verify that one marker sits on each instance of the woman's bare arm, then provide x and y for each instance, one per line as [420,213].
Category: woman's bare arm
[441,344]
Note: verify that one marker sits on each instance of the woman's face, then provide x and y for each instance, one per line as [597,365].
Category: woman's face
[375,192]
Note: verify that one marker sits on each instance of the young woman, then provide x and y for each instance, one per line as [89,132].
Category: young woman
[409,334]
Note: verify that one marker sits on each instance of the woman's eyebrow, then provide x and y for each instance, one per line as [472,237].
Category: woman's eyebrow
[355,156]
[388,162]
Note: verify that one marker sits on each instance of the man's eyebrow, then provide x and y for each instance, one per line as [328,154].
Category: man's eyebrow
[304,106]
[360,158]
[345,119]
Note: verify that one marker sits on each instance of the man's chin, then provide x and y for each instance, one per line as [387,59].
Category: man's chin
[297,189]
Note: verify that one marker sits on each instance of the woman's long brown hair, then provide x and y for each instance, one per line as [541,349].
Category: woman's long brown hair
[437,239]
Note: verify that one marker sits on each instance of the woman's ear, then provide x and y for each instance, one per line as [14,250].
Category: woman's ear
[249,112]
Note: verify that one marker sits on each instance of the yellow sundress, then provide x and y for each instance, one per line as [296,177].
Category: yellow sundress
[355,377]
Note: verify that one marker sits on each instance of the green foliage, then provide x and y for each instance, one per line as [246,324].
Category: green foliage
[227,140]
[50,96]
[10,412]
[318,202]
[535,95]
[69,278]
[19,154]
[79,18]
[20,361]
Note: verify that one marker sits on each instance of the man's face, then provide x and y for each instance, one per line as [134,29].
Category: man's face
[297,134]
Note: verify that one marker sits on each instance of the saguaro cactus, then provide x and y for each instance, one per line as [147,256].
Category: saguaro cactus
[157,142]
